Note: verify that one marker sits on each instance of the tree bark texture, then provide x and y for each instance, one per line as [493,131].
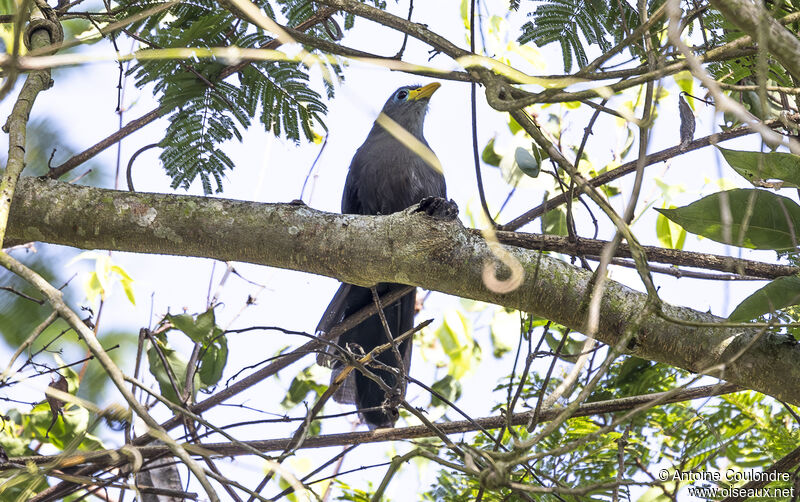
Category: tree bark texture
[405,247]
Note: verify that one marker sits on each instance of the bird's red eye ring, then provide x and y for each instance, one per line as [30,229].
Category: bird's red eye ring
[402,94]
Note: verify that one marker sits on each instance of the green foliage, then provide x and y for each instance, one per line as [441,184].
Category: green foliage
[304,382]
[747,218]
[353,494]
[455,336]
[505,331]
[213,355]
[669,233]
[739,431]
[758,167]
[526,162]
[744,69]
[599,22]
[213,344]
[169,372]
[778,294]
[24,432]
[554,222]
[206,105]
[489,156]
[449,388]
[99,282]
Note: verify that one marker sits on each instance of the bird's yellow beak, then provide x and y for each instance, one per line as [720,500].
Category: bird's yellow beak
[423,92]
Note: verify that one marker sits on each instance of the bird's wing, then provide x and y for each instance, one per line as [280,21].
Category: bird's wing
[334,314]
[351,201]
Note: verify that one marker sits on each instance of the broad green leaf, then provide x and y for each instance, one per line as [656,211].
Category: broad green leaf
[780,293]
[489,156]
[98,283]
[456,339]
[669,233]
[571,349]
[22,486]
[527,164]
[758,168]
[749,218]
[73,421]
[554,222]
[126,281]
[200,330]
[306,381]
[177,365]
[72,377]
[752,102]
[448,387]
[212,363]
[685,81]
[628,144]
[206,324]
[513,125]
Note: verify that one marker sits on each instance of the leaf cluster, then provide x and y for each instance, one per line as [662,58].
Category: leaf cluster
[576,25]
[206,106]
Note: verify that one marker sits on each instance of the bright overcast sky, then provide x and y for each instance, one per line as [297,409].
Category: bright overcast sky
[271,170]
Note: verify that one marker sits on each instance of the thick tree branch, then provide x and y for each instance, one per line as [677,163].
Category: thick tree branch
[17,124]
[405,247]
[654,254]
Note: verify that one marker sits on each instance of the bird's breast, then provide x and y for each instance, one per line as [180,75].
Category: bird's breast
[403,181]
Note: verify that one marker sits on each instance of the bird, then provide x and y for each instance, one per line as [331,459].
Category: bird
[384,177]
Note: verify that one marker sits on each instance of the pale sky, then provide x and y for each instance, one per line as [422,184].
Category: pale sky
[272,170]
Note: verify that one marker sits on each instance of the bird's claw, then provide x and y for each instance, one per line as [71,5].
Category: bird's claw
[437,207]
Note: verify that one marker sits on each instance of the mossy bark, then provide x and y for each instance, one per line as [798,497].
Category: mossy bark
[405,247]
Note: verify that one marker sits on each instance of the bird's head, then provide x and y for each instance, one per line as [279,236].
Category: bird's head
[408,104]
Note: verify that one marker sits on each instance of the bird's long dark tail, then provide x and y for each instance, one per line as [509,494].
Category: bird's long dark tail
[376,407]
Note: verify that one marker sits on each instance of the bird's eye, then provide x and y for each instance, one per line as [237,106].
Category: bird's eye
[401,95]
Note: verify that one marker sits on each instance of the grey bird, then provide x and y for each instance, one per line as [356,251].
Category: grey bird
[385,177]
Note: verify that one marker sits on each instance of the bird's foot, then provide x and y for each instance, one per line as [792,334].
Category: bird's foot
[437,207]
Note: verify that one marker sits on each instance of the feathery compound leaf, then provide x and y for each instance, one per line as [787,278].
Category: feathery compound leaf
[207,111]
[565,21]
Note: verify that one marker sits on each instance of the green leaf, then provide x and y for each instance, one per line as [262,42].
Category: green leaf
[669,233]
[780,293]
[527,164]
[213,361]
[750,218]
[554,222]
[685,81]
[758,168]
[456,339]
[571,349]
[69,374]
[489,156]
[177,365]
[126,281]
[449,388]
[200,330]
[72,422]
[306,381]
